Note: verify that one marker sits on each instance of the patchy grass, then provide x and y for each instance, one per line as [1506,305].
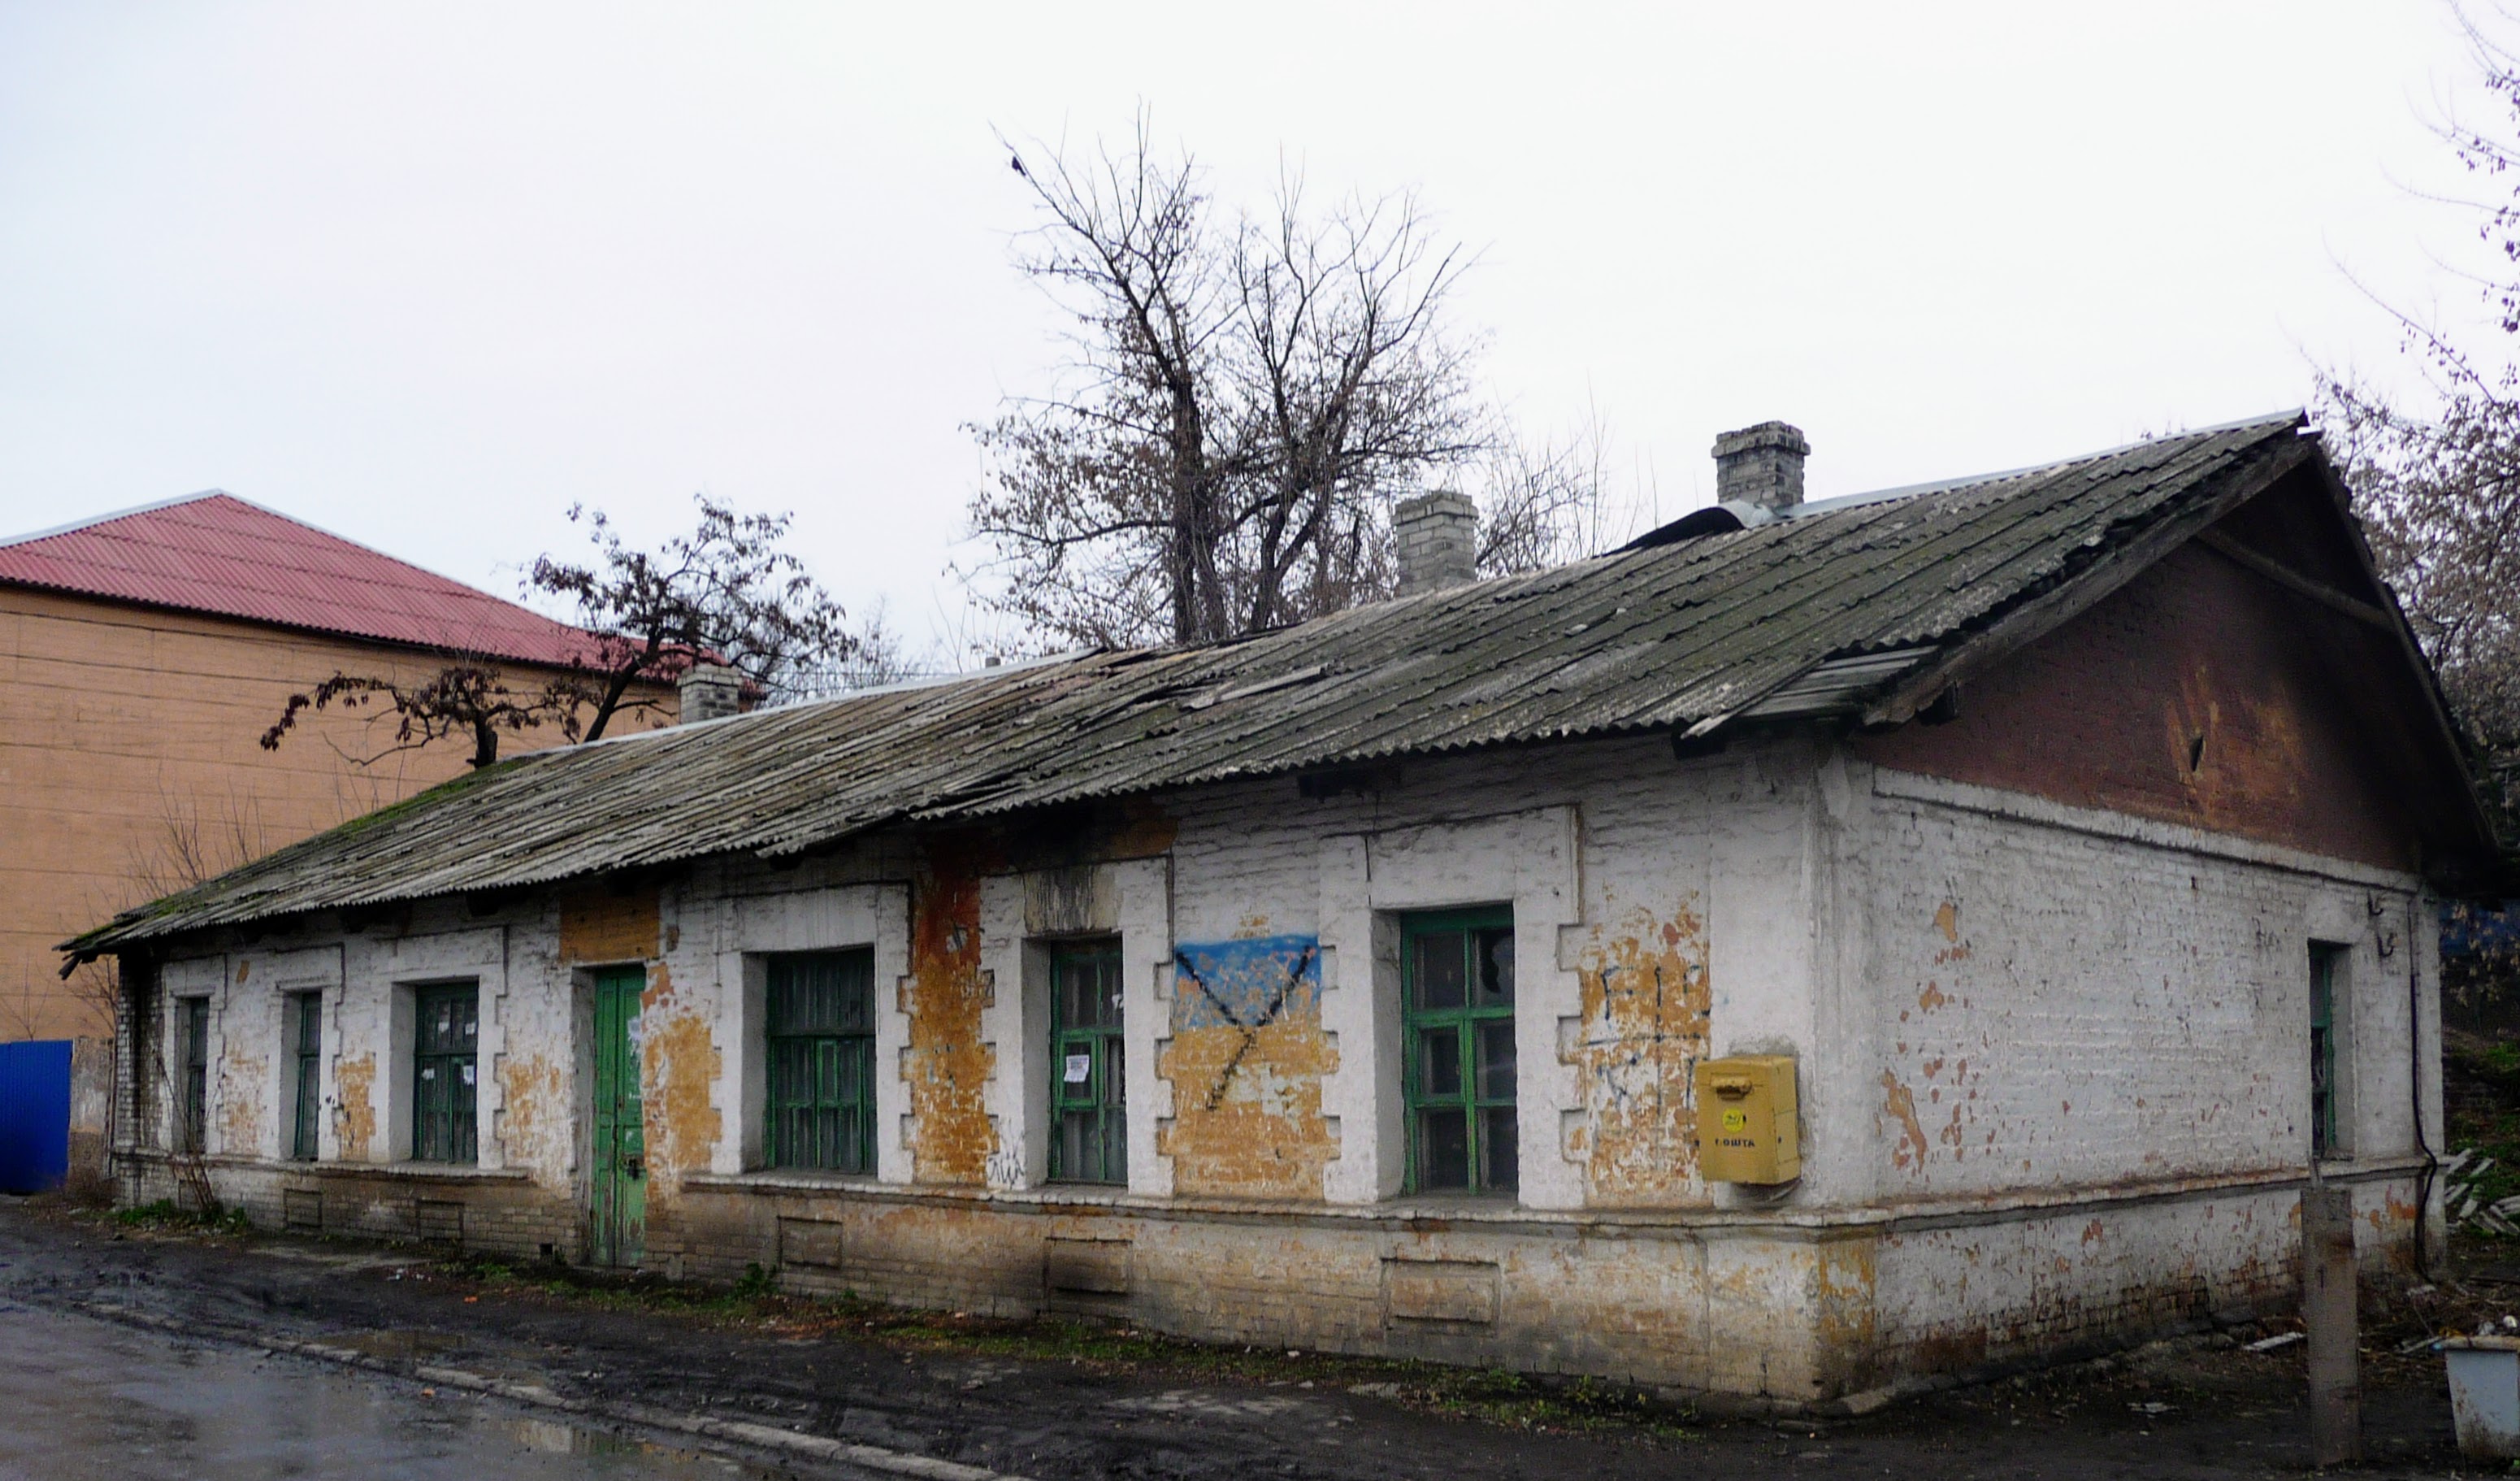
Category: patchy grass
[1521,1401]
[168,1214]
[2483,1115]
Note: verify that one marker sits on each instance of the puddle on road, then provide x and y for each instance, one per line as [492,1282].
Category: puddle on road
[85,1397]
[553,1437]
[398,1344]
[1210,1404]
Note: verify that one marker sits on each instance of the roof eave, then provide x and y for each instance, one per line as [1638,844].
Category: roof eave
[2075,593]
[2484,858]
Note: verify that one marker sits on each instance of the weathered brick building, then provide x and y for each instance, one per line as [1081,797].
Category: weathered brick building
[1347,987]
[143,654]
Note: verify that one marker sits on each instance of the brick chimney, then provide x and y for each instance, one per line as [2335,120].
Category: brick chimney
[1761,465]
[1438,535]
[709,692]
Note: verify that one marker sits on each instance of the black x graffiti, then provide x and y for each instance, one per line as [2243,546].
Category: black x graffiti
[1250,1031]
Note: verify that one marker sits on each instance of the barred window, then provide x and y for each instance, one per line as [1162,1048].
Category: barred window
[449,1032]
[821,1060]
[1089,1100]
[2327,1057]
[193,1072]
[305,1012]
[1458,1079]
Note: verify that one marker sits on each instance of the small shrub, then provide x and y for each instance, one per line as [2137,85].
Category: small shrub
[166,1213]
[140,1215]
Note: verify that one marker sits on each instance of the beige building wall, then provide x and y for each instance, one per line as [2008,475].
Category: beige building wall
[130,765]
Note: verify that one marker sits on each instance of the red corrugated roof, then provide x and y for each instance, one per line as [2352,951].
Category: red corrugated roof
[216,552]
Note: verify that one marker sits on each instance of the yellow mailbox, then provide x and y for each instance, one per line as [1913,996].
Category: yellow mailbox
[1747,1129]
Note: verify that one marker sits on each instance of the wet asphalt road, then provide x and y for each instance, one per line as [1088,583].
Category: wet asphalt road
[82,1397]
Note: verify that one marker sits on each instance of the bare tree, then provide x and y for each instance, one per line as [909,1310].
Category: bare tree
[200,836]
[200,833]
[726,591]
[879,654]
[1545,501]
[1244,398]
[2438,493]
[2438,483]
[468,699]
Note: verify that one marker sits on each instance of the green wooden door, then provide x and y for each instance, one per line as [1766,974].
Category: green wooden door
[618,1195]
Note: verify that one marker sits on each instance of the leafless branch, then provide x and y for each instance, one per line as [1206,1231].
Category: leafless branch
[1244,398]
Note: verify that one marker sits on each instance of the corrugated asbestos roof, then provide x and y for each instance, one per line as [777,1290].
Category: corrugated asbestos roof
[218,554]
[1811,615]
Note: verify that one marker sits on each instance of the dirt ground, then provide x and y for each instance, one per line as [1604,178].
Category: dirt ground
[1053,1398]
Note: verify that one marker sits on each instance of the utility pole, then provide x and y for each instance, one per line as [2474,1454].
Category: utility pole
[2327,1309]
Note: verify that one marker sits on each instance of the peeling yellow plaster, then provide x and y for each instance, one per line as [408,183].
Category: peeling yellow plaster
[354,1083]
[680,1061]
[1846,1279]
[535,1106]
[1952,1135]
[948,1065]
[1901,1105]
[597,925]
[240,1104]
[1264,1138]
[1646,1001]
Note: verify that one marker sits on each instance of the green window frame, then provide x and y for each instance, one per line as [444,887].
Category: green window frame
[1089,1100]
[820,1040]
[1458,1068]
[305,1012]
[2326,972]
[446,1024]
[193,1072]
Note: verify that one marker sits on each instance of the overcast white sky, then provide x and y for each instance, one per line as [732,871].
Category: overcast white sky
[425,274]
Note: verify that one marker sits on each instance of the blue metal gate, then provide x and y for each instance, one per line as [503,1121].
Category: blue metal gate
[34,1115]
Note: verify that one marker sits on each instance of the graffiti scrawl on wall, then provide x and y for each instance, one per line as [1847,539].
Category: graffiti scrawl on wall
[1246,1060]
[1245,985]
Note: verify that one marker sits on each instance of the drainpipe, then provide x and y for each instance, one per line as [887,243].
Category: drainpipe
[2416,1082]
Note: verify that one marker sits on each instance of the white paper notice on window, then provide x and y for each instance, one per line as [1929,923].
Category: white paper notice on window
[428,1073]
[1079,1066]
[468,1074]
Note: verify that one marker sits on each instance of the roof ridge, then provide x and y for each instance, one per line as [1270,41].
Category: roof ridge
[76,526]
[246,560]
[150,508]
[2293,417]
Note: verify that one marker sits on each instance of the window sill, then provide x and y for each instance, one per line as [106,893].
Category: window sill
[1491,1208]
[1454,1202]
[772,1179]
[1503,1213]
[423,1172]
[413,1172]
